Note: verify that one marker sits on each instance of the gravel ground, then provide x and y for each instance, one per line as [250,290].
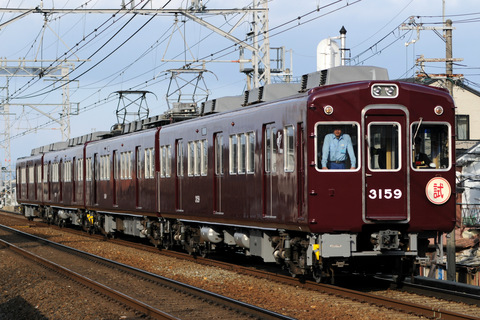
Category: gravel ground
[31,292]
[57,302]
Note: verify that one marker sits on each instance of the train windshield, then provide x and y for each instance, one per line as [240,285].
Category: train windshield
[337,146]
[430,146]
[384,146]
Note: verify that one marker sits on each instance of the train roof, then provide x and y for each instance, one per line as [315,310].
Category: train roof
[269,92]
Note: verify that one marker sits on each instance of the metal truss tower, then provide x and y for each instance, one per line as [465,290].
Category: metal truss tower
[20,68]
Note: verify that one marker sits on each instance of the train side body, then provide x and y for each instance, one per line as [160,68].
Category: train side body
[120,177]
[241,184]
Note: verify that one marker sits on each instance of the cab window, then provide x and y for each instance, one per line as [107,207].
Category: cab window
[430,143]
[337,146]
[384,146]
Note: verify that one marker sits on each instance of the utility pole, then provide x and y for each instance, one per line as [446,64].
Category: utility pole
[448,55]
[449,79]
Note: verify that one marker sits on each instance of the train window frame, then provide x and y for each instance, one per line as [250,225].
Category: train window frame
[413,136]
[179,158]
[79,171]
[165,164]
[242,153]
[88,168]
[219,154]
[168,164]
[23,175]
[204,158]
[271,148]
[233,154]
[39,174]
[45,173]
[250,158]
[399,146]
[289,148]
[31,174]
[198,158]
[319,140]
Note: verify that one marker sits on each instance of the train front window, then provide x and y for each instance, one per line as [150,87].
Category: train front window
[337,146]
[384,144]
[430,145]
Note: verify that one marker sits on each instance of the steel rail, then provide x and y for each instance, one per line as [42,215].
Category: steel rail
[437,313]
[111,293]
[227,302]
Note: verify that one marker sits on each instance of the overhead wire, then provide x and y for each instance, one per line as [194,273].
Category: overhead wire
[68,54]
[224,53]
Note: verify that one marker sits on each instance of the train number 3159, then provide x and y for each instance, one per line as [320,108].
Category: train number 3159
[384,194]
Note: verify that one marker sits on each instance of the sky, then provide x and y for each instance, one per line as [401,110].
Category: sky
[111,53]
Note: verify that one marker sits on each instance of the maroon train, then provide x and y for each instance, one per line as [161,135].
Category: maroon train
[251,179]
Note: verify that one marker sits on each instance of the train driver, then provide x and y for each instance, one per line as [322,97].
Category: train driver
[421,160]
[335,148]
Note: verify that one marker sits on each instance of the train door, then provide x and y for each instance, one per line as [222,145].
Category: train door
[386,169]
[179,159]
[60,178]
[269,170]
[36,181]
[74,179]
[95,177]
[217,184]
[49,180]
[115,177]
[138,165]
[300,172]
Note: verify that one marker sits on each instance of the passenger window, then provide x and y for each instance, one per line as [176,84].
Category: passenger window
[289,145]
[271,149]
[384,146]
[430,146]
[337,146]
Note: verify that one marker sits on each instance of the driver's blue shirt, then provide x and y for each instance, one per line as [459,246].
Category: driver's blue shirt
[336,149]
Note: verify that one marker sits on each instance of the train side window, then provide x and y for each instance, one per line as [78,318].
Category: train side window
[79,170]
[430,145]
[39,174]
[191,158]
[23,175]
[88,169]
[384,143]
[45,172]
[337,145]
[271,149]
[219,154]
[165,156]
[138,158]
[146,158]
[198,157]
[179,157]
[233,161]
[242,153]
[289,146]
[30,174]
[204,165]
[251,152]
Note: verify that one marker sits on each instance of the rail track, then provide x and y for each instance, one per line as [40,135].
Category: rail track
[154,296]
[417,304]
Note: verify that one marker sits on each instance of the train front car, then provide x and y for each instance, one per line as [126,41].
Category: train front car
[381,175]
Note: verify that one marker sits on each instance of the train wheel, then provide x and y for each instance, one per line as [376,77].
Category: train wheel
[317,275]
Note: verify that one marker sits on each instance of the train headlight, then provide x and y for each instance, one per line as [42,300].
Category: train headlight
[376,91]
[390,91]
[384,91]
[328,110]
[438,110]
